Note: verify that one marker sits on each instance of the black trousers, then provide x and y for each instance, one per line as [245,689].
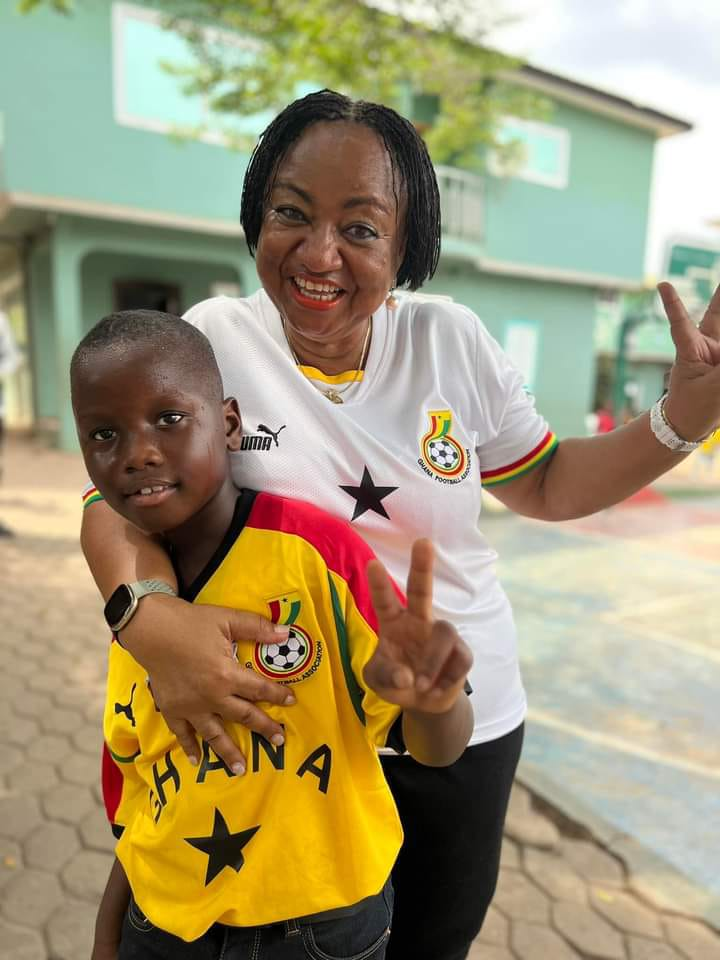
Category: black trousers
[446,873]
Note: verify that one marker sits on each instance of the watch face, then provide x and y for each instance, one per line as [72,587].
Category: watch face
[118,605]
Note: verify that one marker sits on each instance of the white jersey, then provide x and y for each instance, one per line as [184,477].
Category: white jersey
[438,405]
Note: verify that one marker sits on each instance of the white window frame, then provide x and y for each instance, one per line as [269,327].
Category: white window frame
[561,135]
[120,13]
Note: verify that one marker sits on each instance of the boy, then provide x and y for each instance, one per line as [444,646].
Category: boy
[292,859]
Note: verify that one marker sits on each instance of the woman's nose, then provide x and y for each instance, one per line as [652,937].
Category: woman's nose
[320,252]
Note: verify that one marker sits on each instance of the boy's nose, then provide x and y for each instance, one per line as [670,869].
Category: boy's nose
[141,453]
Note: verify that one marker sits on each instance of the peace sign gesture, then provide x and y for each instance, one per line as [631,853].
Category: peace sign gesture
[420,663]
[693,403]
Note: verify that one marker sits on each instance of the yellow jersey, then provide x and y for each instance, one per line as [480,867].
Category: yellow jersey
[311,826]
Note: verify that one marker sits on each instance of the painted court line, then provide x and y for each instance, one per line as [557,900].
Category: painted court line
[545,719]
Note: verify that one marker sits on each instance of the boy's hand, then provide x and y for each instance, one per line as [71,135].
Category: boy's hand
[420,663]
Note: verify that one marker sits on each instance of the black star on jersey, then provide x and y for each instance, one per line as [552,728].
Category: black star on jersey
[224,849]
[367,496]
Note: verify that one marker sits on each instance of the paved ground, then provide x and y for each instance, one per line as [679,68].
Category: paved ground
[562,896]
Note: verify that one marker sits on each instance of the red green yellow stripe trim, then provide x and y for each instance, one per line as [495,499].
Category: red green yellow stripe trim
[90,495]
[547,445]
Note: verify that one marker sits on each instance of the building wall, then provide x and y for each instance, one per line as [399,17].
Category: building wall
[71,287]
[561,317]
[597,223]
[42,331]
[100,270]
[61,138]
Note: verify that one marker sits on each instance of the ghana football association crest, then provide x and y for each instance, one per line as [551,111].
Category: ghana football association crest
[441,456]
[295,658]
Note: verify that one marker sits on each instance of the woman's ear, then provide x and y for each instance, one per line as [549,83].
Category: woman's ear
[233,424]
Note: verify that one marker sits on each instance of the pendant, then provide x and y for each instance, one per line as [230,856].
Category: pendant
[333,396]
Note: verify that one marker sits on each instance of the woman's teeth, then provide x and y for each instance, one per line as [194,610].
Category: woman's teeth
[317,291]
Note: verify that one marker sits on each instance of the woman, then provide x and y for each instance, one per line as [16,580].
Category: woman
[391,413]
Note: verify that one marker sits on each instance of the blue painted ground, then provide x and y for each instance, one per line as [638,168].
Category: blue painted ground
[620,649]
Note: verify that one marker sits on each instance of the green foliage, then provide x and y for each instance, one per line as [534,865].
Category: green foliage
[60,6]
[249,56]
[378,54]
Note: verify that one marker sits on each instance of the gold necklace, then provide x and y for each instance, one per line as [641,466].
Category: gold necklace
[333,395]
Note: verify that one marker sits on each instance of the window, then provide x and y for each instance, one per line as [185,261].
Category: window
[148,97]
[521,345]
[540,153]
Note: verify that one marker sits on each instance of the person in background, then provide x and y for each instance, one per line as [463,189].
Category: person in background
[392,411]
[9,362]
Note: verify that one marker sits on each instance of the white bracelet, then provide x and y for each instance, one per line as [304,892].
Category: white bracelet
[665,433]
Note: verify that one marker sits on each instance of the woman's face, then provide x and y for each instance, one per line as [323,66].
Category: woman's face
[332,236]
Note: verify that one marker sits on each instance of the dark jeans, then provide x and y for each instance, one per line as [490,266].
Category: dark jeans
[446,874]
[362,935]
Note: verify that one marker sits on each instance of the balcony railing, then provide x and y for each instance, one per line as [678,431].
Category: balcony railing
[461,202]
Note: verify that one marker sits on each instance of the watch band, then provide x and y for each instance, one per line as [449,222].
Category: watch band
[141,588]
[121,607]
[664,432]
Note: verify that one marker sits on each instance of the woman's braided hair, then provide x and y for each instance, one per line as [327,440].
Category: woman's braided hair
[408,154]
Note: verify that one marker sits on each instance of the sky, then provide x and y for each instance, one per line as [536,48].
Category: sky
[659,53]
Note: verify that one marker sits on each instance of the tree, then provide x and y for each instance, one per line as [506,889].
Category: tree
[408,54]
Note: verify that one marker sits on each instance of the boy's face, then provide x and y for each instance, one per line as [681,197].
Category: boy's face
[153,436]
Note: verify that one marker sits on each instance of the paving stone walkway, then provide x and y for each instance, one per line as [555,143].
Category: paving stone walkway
[561,896]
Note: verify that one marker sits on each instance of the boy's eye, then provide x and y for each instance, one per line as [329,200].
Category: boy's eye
[169,419]
[104,433]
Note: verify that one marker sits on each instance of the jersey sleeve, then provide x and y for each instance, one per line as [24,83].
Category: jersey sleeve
[90,494]
[123,788]
[516,438]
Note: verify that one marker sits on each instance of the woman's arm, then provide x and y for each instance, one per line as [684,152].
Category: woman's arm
[108,925]
[186,649]
[587,474]
[439,739]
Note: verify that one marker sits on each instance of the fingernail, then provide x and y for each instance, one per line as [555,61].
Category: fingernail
[277,739]
[280,629]
[423,684]
[194,761]
[289,700]
[238,769]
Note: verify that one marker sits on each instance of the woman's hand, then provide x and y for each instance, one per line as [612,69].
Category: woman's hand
[693,403]
[420,663]
[197,683]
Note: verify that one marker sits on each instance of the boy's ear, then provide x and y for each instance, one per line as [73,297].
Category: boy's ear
[233,424]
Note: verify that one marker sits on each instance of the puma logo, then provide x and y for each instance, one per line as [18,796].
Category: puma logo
[126,708]
[274,434]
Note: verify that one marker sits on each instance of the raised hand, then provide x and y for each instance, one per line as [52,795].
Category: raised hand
[420,663]
[693,403]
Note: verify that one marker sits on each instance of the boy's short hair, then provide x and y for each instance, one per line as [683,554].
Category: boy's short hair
[173,338]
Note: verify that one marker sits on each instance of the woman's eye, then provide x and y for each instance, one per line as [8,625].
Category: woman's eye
[361,231]
[170,419]
[290,213]
[105,433]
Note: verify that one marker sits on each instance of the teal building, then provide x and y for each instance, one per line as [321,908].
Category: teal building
[103,206]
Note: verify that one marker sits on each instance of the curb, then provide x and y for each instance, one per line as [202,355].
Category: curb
[654,880]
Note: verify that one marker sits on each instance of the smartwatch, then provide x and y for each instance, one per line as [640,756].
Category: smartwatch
[121,607]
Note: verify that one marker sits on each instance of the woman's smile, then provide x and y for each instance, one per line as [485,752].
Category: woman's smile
[316,294]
